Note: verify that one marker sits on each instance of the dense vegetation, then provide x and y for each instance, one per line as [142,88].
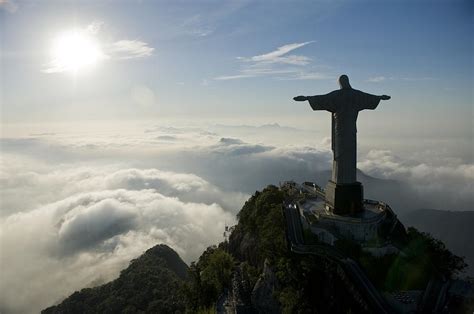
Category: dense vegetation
[421,258]
[151,284]
[260,236]
[454,228]
[261,229]
[160,282]
[209,276]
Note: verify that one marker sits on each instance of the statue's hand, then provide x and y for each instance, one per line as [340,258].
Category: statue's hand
[385,97]
[300,98]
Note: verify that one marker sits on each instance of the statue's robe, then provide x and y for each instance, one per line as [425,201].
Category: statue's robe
[344,104]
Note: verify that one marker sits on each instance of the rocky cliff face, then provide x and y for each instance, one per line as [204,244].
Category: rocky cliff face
[263,293]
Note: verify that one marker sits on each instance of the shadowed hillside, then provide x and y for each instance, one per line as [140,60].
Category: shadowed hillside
[151,284]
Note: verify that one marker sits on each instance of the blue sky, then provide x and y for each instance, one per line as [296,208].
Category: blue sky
[419,52]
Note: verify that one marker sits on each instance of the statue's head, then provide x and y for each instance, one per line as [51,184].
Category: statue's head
[344,81]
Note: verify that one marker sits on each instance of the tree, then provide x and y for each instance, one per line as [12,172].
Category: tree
[209,276]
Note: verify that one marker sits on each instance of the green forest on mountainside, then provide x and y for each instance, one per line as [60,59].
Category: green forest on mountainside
[152,283]
[260,235]
[159,281]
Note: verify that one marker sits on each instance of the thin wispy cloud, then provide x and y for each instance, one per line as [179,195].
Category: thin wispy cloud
[233,77]
[309,76]
[423,78]
[376,79]
[280,55]
[197,26]
[381,78]
[208,20]
[254,72]
[130,49]
[279,63]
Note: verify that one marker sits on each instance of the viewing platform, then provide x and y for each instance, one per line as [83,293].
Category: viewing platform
[364,227]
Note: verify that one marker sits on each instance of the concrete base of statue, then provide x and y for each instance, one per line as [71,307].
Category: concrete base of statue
[345,199]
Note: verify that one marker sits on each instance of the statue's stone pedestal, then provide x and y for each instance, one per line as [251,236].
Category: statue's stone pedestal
[344,199]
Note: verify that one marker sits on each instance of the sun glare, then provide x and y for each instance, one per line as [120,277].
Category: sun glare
[75,50]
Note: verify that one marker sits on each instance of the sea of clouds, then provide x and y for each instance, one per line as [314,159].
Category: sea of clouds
[77,206]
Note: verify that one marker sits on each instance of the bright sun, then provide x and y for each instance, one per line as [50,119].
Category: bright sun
[75,50]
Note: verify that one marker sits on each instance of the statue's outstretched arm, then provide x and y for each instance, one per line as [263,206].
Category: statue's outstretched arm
[319,102]
[300,98]
[369,101]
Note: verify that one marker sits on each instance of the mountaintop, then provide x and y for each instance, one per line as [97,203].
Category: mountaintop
[150,284]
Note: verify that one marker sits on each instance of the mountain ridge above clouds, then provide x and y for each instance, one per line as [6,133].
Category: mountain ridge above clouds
[268,126]
[151,283]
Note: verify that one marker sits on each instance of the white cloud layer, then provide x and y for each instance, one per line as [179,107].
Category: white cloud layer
[83,204]
[448,186]
[109,219]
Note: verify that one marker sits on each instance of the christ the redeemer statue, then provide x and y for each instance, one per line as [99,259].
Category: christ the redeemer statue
[343,193]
